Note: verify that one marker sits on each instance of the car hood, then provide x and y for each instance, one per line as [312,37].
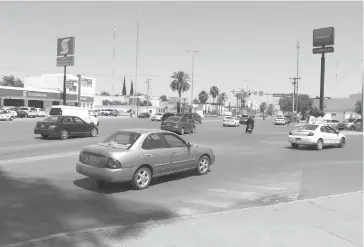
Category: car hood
[105,149]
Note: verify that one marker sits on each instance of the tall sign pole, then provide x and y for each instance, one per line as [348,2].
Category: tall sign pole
[193,68]
[136,68]
[148,84]
[65,57]
[113,62]
[79,90]
[298,61]
[324,38]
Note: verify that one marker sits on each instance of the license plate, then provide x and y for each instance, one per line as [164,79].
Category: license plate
[42,126]
[298,139]
[93,159]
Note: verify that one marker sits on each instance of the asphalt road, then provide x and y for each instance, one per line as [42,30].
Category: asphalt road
[41,193]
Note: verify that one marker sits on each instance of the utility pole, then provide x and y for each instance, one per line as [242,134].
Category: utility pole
[79,90]
[113,62]
[135,101]
[298,60]
[237,100]
[295,81]
[193,67]
[148,84]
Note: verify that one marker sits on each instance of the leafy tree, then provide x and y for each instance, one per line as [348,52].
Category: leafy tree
[221,100]
[270,109]
[203,97]
[104,93]
[315,112]
[196,101]
[358,106]
[163,98]
[214,91]
[124,88]
[131,88]
[304,103]
[11,81]
[180,84]
[263,107]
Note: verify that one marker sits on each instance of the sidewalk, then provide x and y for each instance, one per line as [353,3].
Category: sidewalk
[335,221]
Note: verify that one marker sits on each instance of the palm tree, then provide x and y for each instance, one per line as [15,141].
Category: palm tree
[180,84]
[11,81]
[221,99]
[214,91]
[203,97]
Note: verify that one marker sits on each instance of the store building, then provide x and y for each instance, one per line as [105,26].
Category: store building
[47,90]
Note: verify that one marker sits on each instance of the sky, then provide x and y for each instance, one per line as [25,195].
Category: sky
[242,44]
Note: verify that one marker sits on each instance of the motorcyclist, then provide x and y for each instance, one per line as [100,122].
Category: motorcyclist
[249,121]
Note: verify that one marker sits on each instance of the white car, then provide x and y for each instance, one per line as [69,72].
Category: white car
[6,115]
[40,112]
[30,111]
[12,111]
[230,121]
[279,121]
[317,135]
[157,117]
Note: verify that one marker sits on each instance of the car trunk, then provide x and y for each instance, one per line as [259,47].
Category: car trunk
[301,132]
[169,123]
[46,124]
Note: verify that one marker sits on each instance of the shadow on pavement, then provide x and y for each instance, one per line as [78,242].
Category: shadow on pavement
[113,188]
[309,148]
[35,208]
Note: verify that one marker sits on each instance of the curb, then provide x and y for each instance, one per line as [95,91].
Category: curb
[167,221]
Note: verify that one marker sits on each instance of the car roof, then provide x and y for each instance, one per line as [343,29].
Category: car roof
[145,131]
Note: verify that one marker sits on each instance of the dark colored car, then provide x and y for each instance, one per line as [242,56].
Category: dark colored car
[64,127]
[195,117]
[167,115]
[288,119]
[243,118]
[144,115]
[21,114]
[179,125]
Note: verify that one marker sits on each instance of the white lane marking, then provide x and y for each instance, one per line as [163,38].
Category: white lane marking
[37,158]
[164,222]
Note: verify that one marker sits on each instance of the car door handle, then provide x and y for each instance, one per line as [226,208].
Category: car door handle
[149,155]
[175,152]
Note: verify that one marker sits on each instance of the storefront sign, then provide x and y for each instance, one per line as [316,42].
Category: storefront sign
[86,99]
[21,93]
[86,82]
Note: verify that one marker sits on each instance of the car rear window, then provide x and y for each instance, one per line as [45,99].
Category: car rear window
[309,127]
[53,119]
[123,138]
[245,116]
[55,111]
[173,119]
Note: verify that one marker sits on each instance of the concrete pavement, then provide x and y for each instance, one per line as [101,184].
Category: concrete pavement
[42,188]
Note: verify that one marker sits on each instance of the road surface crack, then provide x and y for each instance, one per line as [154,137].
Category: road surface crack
[338,236]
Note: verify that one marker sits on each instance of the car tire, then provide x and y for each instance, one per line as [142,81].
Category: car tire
[11,118]
[295,145]
[342,142]
[352,128]
[93,132]
[193,129]
[44,136]
[319,144]
[64,134]
[26,115]
[182,131]
[203,165]
[223,125]
[142,178]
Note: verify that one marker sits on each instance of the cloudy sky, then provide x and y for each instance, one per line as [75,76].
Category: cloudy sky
[241,44]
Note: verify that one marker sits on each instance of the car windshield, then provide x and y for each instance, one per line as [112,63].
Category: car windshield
[123,138]
[229,117]
[176,119]
[309,127]
[349,120]
[244,116]
[3,112]
[52,119]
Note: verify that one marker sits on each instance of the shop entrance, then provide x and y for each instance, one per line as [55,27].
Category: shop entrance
[14,102]
[36,103]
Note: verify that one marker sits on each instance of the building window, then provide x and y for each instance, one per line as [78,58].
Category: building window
[333,114]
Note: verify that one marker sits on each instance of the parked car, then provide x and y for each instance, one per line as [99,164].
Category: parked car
[195,117]
[6,115]
[167,115]
[83,113]
[144,115]
[288,119]
[332,123]
[12,111]
[157,117]
[178,124]
[230,121]
[40,112]
[243,119]
[317,135]
[31,112]
[349,124]
[140,155]
[280,120]
[21,114]
[64,127]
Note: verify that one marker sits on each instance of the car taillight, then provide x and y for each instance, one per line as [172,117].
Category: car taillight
[310,134]
[113,164]
[83,158]
[290,133]
[52,126]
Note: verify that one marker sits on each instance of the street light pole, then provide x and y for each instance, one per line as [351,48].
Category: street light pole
[113,62]
[193,67]
[135,101]
[298,60]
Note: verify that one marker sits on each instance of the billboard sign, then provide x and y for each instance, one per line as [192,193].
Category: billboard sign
[66,46]
[323,36]
[65,61]
[280,95]
[320,50]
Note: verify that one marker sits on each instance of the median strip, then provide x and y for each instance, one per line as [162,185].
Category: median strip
[37,158]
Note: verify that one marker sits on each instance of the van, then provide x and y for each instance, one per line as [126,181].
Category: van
[83,113]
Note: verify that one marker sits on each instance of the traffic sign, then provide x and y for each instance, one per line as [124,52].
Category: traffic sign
[326,49]
[65,61]
[280,95]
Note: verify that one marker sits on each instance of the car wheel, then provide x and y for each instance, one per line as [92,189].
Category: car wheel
[44,136]
[64,134]
[93,132]
[203,165]
[352,128]
[193,129]
[319,144]
[200,121]
[11,118]
[26,115]
[182,131]
[223,125]
[294,145]
[142,178]
[342,142]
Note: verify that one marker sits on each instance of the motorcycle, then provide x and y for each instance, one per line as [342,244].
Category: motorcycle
[250,128]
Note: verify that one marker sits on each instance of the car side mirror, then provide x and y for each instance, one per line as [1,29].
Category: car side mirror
[189,145]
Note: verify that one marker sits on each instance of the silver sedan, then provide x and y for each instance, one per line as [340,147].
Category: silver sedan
[138,155]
